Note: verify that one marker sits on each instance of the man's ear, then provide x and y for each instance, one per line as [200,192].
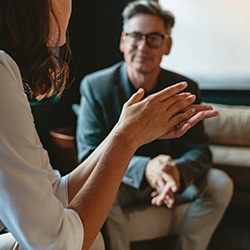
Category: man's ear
[122,42]
[168,45]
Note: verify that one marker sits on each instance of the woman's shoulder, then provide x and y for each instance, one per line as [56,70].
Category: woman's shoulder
[6,60]
[4,57]
[9,68]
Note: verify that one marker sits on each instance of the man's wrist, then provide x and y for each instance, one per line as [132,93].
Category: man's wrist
[151,175]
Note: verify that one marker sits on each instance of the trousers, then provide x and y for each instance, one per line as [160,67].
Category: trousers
[209,196]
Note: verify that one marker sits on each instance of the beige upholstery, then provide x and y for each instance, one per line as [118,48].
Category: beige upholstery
[229,135]
[231,156]
[231,127]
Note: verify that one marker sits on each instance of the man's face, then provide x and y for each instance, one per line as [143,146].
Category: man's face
[140,56]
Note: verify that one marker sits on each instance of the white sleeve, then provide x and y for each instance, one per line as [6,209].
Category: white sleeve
[32,195]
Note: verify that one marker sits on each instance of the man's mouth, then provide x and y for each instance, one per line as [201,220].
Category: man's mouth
[140,57]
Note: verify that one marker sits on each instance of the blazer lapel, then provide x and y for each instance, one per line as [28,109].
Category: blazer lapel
[122,88]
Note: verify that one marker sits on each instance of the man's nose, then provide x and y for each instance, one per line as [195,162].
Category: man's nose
[142,42]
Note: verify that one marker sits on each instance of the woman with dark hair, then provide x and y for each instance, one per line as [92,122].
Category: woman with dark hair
[40,208]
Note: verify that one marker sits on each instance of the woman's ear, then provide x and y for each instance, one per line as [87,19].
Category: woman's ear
[168,45]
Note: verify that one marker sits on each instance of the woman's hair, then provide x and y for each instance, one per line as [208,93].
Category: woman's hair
[149,8]
[24,35]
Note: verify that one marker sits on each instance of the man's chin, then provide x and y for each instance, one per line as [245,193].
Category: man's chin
[140,66]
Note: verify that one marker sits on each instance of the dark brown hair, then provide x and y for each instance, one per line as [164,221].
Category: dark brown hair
[24,35]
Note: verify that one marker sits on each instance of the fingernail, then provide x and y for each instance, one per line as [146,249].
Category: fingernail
[191,96]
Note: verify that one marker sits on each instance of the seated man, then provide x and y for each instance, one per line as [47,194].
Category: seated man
[164,171]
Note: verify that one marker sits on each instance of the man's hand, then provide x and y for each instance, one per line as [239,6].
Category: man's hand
[163,175]
[202,111]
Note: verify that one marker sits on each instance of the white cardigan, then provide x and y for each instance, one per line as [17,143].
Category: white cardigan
[33,196]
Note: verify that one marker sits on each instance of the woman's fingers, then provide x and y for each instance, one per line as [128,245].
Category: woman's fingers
[159,113]
[180,102]
[170,91]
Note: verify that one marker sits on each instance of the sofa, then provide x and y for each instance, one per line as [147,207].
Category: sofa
[229,135]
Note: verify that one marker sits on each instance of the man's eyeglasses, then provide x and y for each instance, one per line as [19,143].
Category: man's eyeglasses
[153,40]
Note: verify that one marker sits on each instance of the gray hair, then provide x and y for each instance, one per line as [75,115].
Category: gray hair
[149,7]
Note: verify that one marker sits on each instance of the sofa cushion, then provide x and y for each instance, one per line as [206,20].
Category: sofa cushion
[231,127]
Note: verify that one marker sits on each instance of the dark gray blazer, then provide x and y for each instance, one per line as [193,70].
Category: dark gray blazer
[103,94]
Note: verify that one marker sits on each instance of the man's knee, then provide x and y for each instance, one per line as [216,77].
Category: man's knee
[221,185]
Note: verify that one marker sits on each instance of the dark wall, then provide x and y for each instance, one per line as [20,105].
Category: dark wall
[94,29]
[235,97]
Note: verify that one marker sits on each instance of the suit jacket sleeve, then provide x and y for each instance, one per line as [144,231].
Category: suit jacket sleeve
[91,128]
[98,113]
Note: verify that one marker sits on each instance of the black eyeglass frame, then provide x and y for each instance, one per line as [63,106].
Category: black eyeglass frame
[146,38]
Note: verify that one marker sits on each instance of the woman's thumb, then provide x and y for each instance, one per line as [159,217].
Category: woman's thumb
[136,97]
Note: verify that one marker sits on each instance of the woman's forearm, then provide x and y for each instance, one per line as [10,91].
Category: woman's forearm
[107,165]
